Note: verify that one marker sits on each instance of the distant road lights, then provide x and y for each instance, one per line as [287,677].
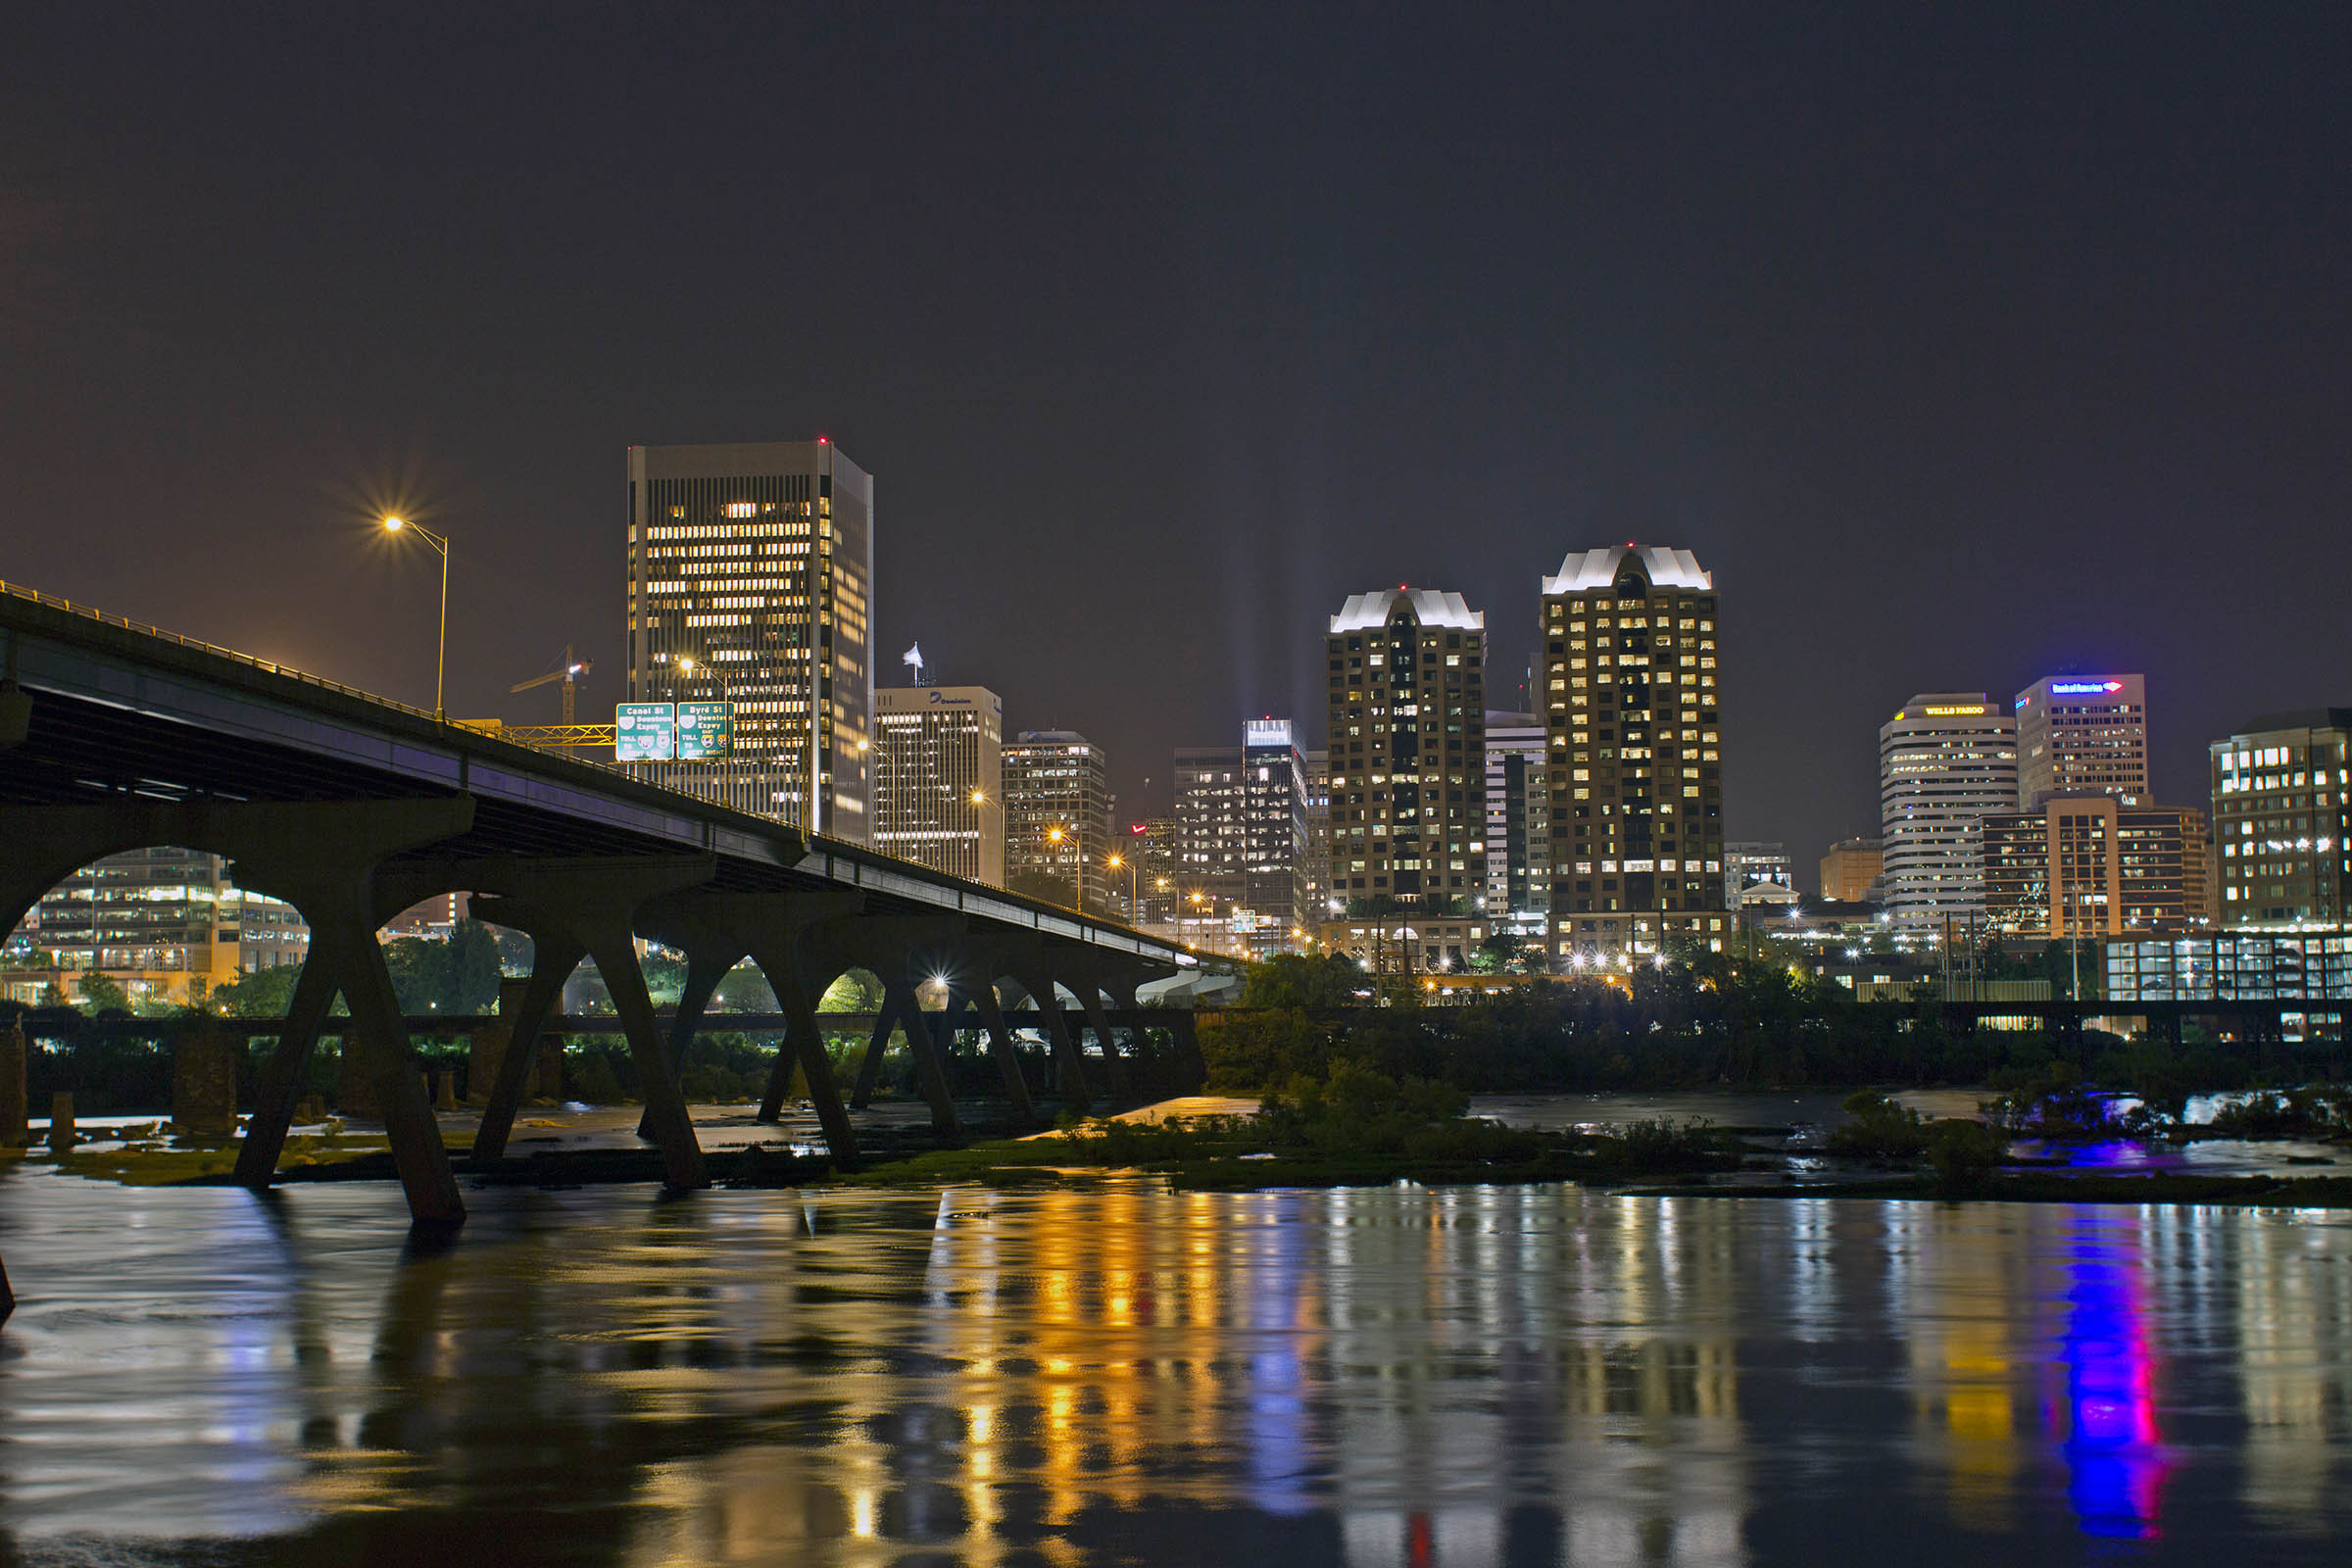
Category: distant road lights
[440,541]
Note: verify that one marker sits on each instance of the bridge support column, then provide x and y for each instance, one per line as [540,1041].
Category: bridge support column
[869,1069]
[281,1079]
[1001,1046]
[929,1068]
[591,904]
[1066,1056]
[553,957]
[1090,1000]
[705,974]
[345,938]
[805,1042]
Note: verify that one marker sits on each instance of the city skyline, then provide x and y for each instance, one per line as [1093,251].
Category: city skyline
[1814,325]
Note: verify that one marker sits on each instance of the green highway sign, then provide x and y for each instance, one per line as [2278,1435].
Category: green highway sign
[706,731]
[644,732]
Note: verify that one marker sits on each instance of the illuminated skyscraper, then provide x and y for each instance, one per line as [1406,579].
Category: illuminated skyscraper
[1947,761]
[750,581]
[1408,736]
[939,785]
[1518,816]
[1630,702]
[1057,818]
[2077,734]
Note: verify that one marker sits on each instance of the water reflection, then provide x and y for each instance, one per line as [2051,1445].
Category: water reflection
[1369,1378]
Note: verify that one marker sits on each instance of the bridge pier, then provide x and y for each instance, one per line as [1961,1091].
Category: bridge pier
[716,931]
[1031,973]
[1001,1046]
[554,954]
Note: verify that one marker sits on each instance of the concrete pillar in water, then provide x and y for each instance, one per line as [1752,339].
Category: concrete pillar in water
[203,1084]
[15,1108]
[445,1089]
[61,1122]
[486,1047]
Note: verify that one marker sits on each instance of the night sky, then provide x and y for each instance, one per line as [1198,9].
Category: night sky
[1963,346]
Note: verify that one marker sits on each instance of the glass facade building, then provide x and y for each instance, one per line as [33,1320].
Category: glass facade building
[1058,818]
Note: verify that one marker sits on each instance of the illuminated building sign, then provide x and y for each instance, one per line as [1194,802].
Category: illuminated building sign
[706,731]
[644,732]
[1955,713]
[2084,688]
[1266,732]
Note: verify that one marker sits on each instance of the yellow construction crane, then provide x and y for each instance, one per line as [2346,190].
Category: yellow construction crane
[570,674]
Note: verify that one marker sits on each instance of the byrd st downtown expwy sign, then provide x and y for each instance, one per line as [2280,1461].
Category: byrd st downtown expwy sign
[661,732]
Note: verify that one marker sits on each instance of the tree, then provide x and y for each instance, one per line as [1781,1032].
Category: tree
[101,992]
[263,994]
[457,977]
[1318,983]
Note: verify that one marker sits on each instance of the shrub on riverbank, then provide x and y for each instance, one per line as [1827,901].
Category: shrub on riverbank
[1719,1021]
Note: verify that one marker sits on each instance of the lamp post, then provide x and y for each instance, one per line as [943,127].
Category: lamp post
[1134,882]
[440,541]
[1054,835]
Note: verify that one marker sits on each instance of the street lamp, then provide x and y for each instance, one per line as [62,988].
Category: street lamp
[1135,873]
[440,541]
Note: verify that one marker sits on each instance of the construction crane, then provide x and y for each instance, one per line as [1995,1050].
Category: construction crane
[570,674]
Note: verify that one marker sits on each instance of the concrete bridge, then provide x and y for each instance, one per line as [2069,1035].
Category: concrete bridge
[351,808]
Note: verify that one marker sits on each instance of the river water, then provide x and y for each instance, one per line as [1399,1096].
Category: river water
[1118,1374]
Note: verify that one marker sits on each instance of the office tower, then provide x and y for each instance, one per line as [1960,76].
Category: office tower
[1318,835]
[2090,864]
[1945,762]
[1152,845]
[1518,816]
[2080,734]
[1851,869]
[750,581]
[939,778]
[2279,790]
[1407,739]
[1636,785]
[1212,841]
[1757,868]
[1274,828]
[1240,836]
[166,923]
[1058,818]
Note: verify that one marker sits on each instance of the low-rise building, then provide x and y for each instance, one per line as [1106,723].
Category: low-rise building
[2232,966]
[1852,868]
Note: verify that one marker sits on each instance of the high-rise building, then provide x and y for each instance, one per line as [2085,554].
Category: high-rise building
[1274,828]
[1407,739]
[1631,701]
[1212,840]
[2088,864]
[2279,811]
[939,778]
[166,923]
[1240,836]
[1518,825]
[1851,869]
[1154,851]
[1946,761]
[1757,868]
[1058,815]
[1318,834]
[2083,733]
[750,582]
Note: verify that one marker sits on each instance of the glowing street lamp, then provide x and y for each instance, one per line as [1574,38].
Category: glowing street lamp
[440,541]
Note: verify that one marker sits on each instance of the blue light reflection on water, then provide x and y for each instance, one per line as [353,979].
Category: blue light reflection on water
[2113,1448]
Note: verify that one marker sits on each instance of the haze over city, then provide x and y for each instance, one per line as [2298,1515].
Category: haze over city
[1962,351]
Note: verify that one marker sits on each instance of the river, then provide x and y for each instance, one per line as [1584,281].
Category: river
[1118,1374]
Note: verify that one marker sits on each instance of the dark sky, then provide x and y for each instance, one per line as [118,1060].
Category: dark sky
[1963,344]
